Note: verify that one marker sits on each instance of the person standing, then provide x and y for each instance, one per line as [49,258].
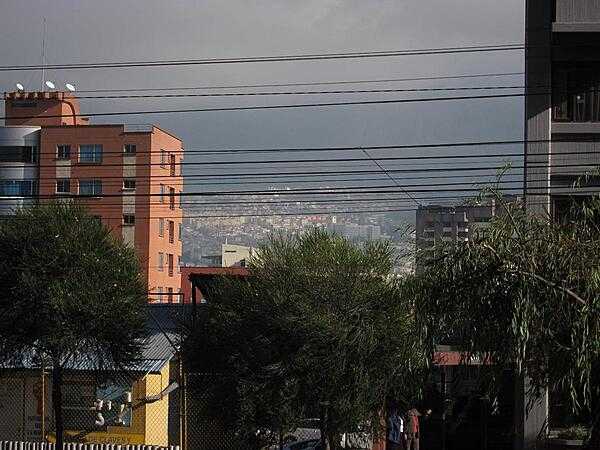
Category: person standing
[412,429]
[395,431]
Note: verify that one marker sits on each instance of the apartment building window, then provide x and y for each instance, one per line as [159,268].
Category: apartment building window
[130,149]
[18,188]
[161,227]
[15,153]
[163,158]
[177,298]
[171,231]
[576,93]
[161,262]
[128,219]
[63,151]
[171,198]
[180,234]
[162,193]
[170,295]
[90,187]
[129,184]
[90,153]
[170,264]
[172,165]
[179,264]
[63,186]
[160,294]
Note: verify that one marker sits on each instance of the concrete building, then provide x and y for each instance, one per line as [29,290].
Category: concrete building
[562,108]
[235,255]
[562,127]
[19,172]
[128,176]
[436,223]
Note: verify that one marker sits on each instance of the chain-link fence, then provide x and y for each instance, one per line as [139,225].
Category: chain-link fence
[134,408]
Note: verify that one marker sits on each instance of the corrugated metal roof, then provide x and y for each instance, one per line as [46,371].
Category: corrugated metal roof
[159,347]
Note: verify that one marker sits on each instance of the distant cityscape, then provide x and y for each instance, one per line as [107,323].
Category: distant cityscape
[205,233]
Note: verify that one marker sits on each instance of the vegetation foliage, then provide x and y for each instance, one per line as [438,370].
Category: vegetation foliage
[72,295]
[319,330]
[524,294]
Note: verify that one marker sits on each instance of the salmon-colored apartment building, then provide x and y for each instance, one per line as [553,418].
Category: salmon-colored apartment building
[127,175]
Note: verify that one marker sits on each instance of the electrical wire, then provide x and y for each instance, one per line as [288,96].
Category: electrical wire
[310,83]
[272,93]
[276,58]
[288,106]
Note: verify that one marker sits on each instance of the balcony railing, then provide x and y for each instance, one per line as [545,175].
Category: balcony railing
[580,106]
[577,11]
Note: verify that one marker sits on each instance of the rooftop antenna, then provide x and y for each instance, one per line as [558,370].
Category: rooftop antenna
[43,54]
[20,87]
[70,87]
[50,84]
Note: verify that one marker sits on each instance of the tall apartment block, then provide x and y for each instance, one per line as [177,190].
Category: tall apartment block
[452,224]
[128,176]
[562,108]
[562,125]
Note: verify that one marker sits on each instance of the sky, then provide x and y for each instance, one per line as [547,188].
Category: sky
[120,30]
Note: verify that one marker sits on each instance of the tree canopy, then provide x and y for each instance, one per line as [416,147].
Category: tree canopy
[70,292]
[319,329]
[524,294]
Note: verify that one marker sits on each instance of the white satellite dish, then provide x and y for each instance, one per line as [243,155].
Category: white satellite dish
[20,87]
[50,84]
[70,87]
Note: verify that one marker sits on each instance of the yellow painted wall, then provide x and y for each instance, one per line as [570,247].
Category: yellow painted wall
[149,421]
[157,413]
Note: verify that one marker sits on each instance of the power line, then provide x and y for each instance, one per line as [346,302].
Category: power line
[210,151]
[277,58]
[298,213]
[309,161]
[325,191]
[320,92]
[288,106]
[306,191]
[310,83]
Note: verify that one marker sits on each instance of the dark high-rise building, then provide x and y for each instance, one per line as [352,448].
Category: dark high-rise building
[562,108]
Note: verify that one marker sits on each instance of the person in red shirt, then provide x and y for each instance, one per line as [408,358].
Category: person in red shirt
[412,428]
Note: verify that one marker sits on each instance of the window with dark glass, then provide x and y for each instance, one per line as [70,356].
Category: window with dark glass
[63,151]
[128,219]
[171,198]
[170,264]
[63,186]
[172,165]
[22,154]
[90,187]
[130,149]
[576,92]
[171,231]
[90,153]
[18,188]
[129,183]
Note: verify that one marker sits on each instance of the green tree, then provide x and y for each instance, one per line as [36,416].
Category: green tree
[319,329]
[71,293]
[524,294]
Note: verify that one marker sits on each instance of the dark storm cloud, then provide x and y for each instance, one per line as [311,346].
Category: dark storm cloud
[110,30]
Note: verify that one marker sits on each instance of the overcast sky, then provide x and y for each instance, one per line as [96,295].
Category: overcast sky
[112,30]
